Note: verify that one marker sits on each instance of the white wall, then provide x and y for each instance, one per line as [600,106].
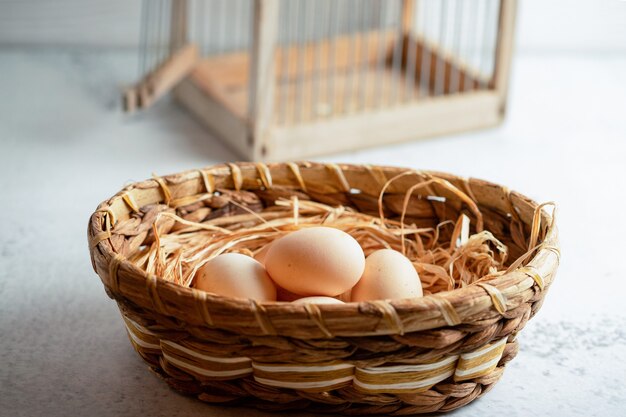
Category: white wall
[544,25]
[69,22]
[574,25]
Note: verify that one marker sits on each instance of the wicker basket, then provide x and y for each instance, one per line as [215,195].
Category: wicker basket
[435,353]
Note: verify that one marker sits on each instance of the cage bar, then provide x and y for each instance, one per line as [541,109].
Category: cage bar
[282,79]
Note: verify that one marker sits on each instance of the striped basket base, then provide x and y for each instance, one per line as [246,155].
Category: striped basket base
[398,388]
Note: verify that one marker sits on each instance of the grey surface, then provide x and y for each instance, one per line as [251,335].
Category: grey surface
[65,146]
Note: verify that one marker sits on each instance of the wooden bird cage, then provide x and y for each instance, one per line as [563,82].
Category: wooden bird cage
[285,79]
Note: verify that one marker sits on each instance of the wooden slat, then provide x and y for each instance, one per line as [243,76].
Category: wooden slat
[232,97]
[178,25]
[426,118]
[262,72]
[220,120]
[163,79]
[504,49]
[408,10]
[451,65]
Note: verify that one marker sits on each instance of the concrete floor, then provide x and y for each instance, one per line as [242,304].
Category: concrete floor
[65,146]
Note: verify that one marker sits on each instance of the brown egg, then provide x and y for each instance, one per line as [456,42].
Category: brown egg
[388,275]
[315,261]
[236,275]
[317,300]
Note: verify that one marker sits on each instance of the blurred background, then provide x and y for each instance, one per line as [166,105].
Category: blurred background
[571,26]
[66,144]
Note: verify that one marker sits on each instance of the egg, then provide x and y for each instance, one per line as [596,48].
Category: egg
[315,261]
[388,275]
[317,300]
[236,275]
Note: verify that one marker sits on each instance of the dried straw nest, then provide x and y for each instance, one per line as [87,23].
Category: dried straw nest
[486,257]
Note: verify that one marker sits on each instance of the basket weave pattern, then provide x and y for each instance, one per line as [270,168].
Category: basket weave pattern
[398,357]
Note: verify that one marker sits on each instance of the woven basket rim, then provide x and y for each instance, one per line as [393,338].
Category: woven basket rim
[449,308]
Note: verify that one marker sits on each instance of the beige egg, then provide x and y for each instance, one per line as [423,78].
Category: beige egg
[315,261]
[236,275]
[317,300]
[388,275]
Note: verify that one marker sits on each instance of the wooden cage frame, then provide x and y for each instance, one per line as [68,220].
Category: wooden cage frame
[249,127]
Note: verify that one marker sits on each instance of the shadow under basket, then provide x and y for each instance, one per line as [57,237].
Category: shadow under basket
[395,357]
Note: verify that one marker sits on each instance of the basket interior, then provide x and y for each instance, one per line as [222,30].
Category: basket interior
[508,215]
[509,221]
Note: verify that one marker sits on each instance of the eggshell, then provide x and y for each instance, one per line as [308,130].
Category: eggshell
[388,275]
[315,261]
[236,275]
[317,300]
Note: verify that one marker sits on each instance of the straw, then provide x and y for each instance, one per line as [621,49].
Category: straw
[442,265]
